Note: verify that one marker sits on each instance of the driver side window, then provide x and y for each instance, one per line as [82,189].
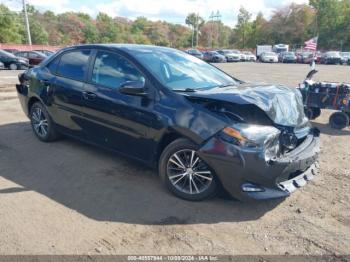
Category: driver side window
[112,70]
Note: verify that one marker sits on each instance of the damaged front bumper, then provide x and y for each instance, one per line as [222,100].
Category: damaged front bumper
[237,167]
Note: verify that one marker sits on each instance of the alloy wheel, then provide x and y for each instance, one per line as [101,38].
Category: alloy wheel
[39,121]
[188,173]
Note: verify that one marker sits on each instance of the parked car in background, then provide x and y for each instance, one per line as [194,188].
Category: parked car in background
[195,53]
[230,56]
[262,49]
[10,50]
[34,57]
[331,57]
[345,56]
[2,66]
[269,57]
[253,140]
[305,57]
[13,62]
[318,57]
[213,56]
[45,52]
[288,57]
[239,53]
[249,56]
[243,57]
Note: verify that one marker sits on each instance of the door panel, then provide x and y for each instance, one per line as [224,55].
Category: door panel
[121,122]
[67,105]
[67,90]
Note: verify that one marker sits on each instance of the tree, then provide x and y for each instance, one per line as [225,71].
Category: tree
[243,27]
[107,28]
[9,26]
[195,22]
[332,18]
[258,31]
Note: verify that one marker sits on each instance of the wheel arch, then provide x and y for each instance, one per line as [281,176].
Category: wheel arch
[31,102]
[167,138]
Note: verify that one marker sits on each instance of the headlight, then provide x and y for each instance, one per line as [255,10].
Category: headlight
[248,136]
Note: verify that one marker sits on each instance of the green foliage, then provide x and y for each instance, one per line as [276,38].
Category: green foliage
[333,23]
[243,29]
[9,26]
[292,24]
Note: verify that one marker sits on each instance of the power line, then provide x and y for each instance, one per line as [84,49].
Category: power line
[214,18]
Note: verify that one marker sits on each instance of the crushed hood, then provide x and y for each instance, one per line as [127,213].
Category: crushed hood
[282,104]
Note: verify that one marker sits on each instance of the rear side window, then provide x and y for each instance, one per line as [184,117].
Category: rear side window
[111,70]
[74,64]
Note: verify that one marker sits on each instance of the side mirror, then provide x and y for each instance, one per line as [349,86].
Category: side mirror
[133,88]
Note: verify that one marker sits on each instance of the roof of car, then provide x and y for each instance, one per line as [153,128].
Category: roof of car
[126,47]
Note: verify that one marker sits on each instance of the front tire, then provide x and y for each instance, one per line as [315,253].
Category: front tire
[312,112]
[184,173]
[42,124]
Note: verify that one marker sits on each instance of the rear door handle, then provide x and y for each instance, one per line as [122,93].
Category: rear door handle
[89,96]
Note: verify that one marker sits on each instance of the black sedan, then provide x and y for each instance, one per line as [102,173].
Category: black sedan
[202,129]
[288,57]
[13,62]
[195,53]
[213,56]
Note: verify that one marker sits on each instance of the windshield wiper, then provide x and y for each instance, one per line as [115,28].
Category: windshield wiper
[232,84]
[185,90]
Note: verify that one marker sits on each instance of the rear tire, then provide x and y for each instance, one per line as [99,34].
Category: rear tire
[185,174]
[339,120]
[13,66]
[42,124]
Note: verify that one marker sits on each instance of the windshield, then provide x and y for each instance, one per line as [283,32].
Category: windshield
[179,71]
[269,53]
[289,53]
[2,52]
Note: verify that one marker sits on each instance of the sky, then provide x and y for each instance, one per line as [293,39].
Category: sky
[173,11]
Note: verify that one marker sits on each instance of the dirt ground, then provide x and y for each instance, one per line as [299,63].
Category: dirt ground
[70,198]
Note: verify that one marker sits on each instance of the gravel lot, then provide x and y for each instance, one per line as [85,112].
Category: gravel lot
[70,198]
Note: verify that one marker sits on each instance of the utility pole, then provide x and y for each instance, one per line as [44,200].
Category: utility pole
[217,17]
[211,17]
[192,34]
[197,24]
[27,22]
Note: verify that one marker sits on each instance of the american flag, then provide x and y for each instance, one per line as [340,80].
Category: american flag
[311,44]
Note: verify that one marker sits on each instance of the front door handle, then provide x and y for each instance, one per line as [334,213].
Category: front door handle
[89,96]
